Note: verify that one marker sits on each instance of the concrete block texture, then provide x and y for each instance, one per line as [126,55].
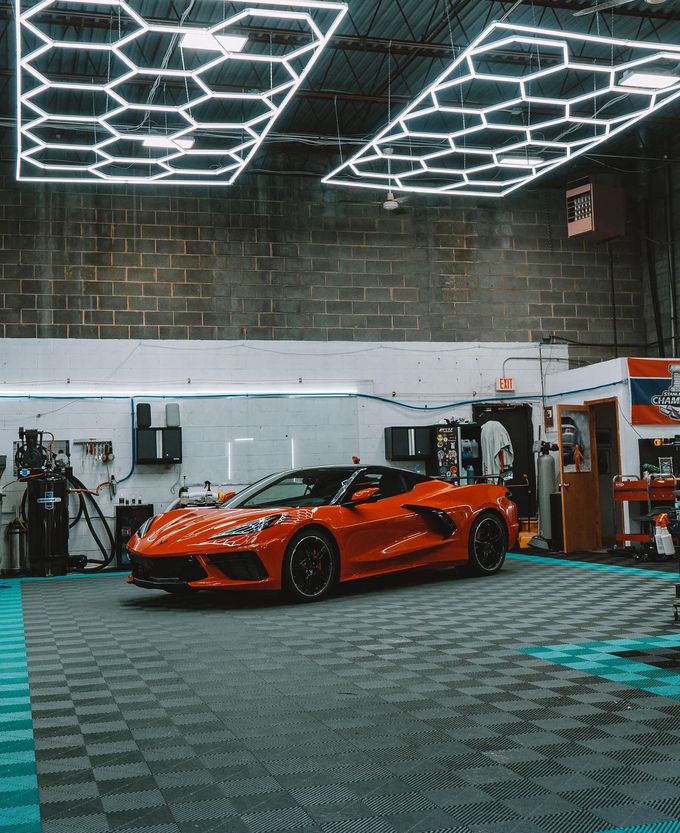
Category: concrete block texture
[303,258]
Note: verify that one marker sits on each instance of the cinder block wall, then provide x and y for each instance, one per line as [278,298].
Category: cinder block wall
[284,257]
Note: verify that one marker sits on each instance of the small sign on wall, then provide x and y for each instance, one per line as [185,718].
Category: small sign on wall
[505,384]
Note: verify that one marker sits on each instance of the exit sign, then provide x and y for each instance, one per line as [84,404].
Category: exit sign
[505,384]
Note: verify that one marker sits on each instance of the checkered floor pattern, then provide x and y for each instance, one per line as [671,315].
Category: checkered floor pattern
[660,658]
[399,706]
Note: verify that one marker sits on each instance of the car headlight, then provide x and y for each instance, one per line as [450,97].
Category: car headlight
[251,528]
[144,528]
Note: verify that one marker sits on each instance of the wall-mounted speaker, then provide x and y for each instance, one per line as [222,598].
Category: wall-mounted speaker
[143,415]
[172,415]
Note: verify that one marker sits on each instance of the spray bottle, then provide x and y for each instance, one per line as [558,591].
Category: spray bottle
[662,537]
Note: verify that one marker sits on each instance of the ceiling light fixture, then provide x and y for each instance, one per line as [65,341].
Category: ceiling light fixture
[200,39]
[209,96]
[648,80]
[520,161]
[518,102]
[162,142]
[390,204]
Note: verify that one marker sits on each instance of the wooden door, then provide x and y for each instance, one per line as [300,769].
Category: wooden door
[578,479]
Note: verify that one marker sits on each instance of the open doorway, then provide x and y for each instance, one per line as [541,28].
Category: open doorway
[606,421]
[517,421]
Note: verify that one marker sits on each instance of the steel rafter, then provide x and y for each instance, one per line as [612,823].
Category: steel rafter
[625,11]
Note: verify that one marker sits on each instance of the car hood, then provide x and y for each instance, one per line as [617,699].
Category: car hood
[200,525]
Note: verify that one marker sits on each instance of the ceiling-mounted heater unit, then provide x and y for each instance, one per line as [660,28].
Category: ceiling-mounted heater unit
[596,211]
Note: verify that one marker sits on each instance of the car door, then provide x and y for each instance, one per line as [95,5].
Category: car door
[380,535]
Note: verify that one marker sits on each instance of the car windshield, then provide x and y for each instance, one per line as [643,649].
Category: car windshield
[305,487]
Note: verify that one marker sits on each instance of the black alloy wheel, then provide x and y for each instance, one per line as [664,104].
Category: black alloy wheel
[310,566]
[487,545]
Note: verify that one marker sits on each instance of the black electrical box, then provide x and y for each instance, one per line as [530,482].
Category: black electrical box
[128,521]
[159,445]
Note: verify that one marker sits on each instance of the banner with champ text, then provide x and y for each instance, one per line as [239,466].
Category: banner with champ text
[654,391]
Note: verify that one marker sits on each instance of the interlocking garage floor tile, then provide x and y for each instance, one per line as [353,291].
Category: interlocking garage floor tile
[420,704]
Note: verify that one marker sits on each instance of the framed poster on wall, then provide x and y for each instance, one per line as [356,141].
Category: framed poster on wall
[654,391]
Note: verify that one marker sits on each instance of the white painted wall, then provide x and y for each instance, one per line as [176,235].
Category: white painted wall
[601,381]
[247,408]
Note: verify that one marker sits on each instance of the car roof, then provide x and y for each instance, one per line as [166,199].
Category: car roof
[354,468]
[351,466]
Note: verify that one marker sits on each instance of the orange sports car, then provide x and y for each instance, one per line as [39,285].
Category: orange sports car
[307,529]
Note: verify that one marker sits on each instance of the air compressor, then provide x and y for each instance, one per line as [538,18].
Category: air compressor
[47,519]
[41,536]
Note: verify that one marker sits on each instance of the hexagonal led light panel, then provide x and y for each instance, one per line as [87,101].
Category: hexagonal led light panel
[517,103]
[107,94]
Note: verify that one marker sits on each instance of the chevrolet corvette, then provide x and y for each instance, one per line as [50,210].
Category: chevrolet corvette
[304,530]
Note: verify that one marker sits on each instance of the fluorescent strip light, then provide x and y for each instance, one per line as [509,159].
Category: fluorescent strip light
[162,142]
[86,391]
[648,80]
[219,62]
[201,39]
[447,142]
[520,161]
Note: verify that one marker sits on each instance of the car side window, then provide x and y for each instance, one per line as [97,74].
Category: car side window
[392,483]
[308,488]
[389,483]
[290,489]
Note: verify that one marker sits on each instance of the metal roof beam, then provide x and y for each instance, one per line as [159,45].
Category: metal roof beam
[571,6]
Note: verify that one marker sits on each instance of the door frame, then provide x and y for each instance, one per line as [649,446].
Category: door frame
[613,401]
[526,409]
[590,406]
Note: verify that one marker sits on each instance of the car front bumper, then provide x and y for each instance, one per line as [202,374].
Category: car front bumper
[237,570]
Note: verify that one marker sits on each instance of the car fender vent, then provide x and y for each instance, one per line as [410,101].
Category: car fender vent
[437,517]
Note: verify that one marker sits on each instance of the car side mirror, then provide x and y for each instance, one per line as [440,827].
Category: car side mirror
[223,497]
[363,496]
